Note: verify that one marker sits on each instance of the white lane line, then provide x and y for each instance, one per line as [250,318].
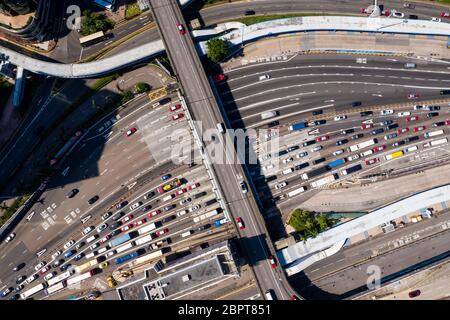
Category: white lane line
[257,104]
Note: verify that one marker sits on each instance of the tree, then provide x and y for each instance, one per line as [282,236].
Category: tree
[93,22]
[127,96]
[141,87]
[308,224]
[217,49]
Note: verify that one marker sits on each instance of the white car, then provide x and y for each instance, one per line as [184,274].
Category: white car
[135,205]
[102,227]
[50,275]
[40,265]
[111,253]
[281,185]
[337,152]
[302,154]
[94,246]
[267,168]
[397,14]
[193,208]
[87,230]
[386,111]
[69,244]
[353,157]
[264,77]
[404,114]
[10,237]
[56,254]
[243,187]
[436,19]
[337,118]
[288,160]
[315,149]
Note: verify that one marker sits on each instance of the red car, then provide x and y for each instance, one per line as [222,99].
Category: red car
[421,128]
[294,297]
[140,222]
[127,227]
[161,232]
[366,126]
[378,149]
[106,238]
[413,118]
[272,261]
[131,131]
[44,270]
[240,223]
[127,218]
[364,10]
[412,96]
[154,213]
[414,293]
[445,14]
[181,191]
[371,161]
[181,29]
[219,77]
[175,107]
[402,130]
[447,122]
[193,186]
[324,138]
[177,116]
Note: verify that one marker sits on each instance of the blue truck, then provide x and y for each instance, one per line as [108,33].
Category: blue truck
[298,126]
[336,163]
[220,222]
[120,240]
[126,257]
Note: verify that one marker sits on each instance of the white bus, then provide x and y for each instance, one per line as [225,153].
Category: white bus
[296,191]
[32,291]
[125,247]
[147,228]
[268,115]
[61,277]
[79,278]
[92,39]
[433,133]
[143,240]
[362,145]
[205,216]
[59,286]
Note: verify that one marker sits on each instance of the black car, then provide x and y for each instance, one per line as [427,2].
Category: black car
[65,267]
[413,16]
[19,288]
[121,205]
[290,149]
[106,215]
[93,199]
[432,114]
[190,165]
[317,112]
[204,227]
[317,161]
[366,113]
[115,225]
[15,297]
[19,266]
[199,195]
[72,193]
[318,122]
[79,256]
[301,166]
[169,207]
[269,179]
[347,131]
[341,142]
[115,232]
[282,153]
[146,208]
[386,122]
[398,144]
[57,263]
[168,219]
[80,245]
[438,124]
[377,131]
[165,101]
[413,138]
[118,215]
[434,108]
[356,103]
[308,143]
[392,126]
[249,12]
[21,279]
[273,124]
[357,136]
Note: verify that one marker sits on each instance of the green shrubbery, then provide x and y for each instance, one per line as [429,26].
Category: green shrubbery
[308,224]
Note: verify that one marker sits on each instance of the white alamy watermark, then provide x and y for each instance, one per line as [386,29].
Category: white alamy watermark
[73,21]
[374,277]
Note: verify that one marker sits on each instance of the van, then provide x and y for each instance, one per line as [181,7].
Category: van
[168,197]
[287,171]
[269,295]
[92,238]
[221,127]
[102,250]
[411,149]
[90,255]
[182,213]
[187,233]
[410,65]
[31,278]
[264,77]
[169,207]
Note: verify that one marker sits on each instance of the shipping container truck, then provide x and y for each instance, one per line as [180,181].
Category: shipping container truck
[298,126]
[147,228]
[315,173]
[394,155]
[119,240]
[433,133]
[336,163]
[351,170]
[362,145]
[295,192]
[127,257]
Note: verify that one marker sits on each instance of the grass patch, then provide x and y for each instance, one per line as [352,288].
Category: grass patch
[9,211]
[132,11]
[257,19]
